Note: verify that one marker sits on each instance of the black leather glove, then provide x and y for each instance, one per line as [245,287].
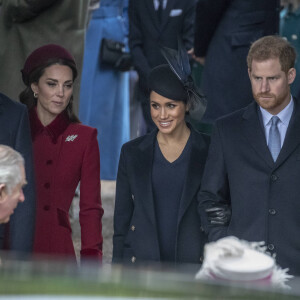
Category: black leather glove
[218,215]
[124,63]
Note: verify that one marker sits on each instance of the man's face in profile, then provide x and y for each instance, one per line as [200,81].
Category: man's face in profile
[9,201]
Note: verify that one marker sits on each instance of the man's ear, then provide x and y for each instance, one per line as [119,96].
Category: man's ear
[291,75]
[2,191]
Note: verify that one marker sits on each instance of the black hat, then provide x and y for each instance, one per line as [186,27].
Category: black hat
[163,81]
[174,80]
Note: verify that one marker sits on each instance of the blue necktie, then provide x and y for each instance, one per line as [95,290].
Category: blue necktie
[274,138]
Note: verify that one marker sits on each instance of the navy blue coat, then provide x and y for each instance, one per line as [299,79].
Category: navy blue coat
[224,30]
[263,195]
[146,34]
[135,230]
[15,133]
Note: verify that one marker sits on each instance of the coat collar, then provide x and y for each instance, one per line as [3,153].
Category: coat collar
[54,129]
[145,160]
[253,129]
[194,171]
[193,176]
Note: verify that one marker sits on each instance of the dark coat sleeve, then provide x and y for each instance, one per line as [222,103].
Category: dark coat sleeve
[123,209]
[214,188]
[188,26]
[136,40]
[22,221]
[208,16]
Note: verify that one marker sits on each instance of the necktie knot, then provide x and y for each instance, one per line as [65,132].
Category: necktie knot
[275,120]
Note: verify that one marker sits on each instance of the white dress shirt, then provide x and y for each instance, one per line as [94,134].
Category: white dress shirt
[284,117]
[156,4]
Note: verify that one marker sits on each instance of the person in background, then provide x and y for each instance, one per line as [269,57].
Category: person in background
[12,181]
[65,153]
[252,165]
[290,29]
[27,25]
[104,93]
[17,235]
[153,24]
[224,30]
[156,218]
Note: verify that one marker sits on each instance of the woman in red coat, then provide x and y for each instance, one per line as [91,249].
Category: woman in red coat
[65,153]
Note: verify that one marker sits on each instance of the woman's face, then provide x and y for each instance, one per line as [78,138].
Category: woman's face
[54,90]
[167,114]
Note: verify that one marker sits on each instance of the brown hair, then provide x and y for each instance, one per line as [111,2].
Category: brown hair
[272,46]
[27,97]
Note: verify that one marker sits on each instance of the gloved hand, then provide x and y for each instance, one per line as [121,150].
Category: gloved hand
[219,214]
[124,63]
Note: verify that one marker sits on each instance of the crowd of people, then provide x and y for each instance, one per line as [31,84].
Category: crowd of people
[177,188]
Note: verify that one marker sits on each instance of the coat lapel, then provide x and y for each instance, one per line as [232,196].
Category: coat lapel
[292,138]
[253,131]
[194,172]
[166,14]
[145,162]
[153,14]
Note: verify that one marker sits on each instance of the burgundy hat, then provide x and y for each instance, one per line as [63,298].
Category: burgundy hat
[41,55]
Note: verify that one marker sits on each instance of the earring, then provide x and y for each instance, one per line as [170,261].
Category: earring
[35,95]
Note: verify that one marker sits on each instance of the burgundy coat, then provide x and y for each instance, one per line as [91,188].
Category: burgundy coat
[65,154]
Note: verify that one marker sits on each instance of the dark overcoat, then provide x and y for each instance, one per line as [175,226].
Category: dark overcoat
[147,34]
[15,133]
[224,31]
[135,230]
[263,195]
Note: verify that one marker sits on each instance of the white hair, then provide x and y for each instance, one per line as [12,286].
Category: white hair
[10,163]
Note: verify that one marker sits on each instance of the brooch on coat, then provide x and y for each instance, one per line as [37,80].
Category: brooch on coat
[71,138]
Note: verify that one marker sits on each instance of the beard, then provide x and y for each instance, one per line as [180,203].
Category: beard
[268,100]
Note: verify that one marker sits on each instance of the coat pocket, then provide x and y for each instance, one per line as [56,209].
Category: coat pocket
[63,219]
[252,18]
[245,38]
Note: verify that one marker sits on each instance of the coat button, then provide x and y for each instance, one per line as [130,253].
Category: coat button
[201,229]
[49,162]
[274,177]
[201,259]
[132,228]
[132,197]
[47,185]
[47,207]
[271,247]
[133,259]
[272,211]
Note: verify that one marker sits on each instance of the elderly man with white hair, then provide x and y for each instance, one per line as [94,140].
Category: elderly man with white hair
[12,180]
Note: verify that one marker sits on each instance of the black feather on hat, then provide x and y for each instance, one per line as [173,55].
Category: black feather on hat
[179,63]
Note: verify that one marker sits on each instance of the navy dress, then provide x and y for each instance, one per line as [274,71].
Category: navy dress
[168,181]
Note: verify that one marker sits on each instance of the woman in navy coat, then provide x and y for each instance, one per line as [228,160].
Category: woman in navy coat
[158,178]
[65,153]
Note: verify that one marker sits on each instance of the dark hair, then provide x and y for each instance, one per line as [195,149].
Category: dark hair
[27,96]
[272,46]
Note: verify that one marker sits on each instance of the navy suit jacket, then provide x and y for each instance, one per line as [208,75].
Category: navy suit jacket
[263,195]
[146,34]
[135,229]
[15,133]
[224,31]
